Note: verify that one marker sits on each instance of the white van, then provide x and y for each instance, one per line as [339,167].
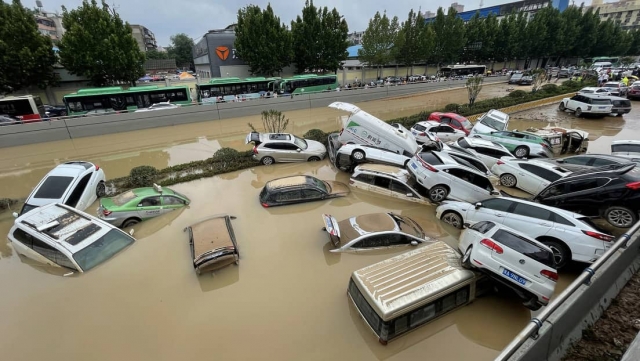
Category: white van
[361,127]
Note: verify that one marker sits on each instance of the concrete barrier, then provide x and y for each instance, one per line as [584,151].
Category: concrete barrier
[77,127]
[527,106]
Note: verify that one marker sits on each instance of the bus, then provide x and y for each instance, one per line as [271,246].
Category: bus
[458,70]
[119,99]
[410,290]
[307,83]
[614,60]
[228,88]
[25,108]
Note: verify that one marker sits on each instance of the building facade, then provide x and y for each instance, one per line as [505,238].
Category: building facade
[50,24]
[214,56]
[625,12]
[144,37]
[530,7]
[355,38]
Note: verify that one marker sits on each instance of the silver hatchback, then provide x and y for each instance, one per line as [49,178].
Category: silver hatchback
[272,148]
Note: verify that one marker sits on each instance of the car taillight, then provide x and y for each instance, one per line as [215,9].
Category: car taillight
[97,167]
[106,212]
[633,186]
[600,236]
[499,162]
[544,145]
[255,149]
[550,275]
[491,245]
[423,134]
[265,205]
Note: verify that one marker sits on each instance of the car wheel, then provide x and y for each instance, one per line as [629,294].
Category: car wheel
[621,217]
[358,155]
[438,193]
[130,222]
[508,180]
[452,218]
[314,159]
[578,112]
[466,259]
[101,190]
[267,160]
[521,152]
[561,255]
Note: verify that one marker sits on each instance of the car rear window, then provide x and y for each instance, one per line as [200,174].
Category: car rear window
[430,158]
[600,101]
[611,85]
[632,148]
[526,247]
[53,187]
[124,198]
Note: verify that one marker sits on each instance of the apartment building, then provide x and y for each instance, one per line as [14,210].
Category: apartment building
[144,37]
[355,38]
[623,12]
[50,24]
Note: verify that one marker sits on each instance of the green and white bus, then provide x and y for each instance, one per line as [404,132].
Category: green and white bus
[226,89]
[118,99]
[308,83]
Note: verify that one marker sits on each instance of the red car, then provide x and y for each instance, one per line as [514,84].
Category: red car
[453,120]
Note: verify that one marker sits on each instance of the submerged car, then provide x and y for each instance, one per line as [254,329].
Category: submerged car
[563,140]
[372,231]
[272,148]
[521,144]
[213,244]
[300,189]
[491,121]
[137,205]
[389,181]
[626,148]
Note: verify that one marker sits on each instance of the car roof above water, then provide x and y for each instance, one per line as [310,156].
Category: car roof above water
[395,172]
[285,182]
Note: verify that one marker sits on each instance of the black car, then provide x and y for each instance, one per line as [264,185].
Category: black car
[299,189]
[589,161]
[620,105]
[515,78]
[611,192]
[55,111]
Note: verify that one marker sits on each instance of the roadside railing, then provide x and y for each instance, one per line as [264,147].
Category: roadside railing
[584,279]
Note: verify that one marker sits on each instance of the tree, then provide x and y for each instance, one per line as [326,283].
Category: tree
[539,77]
[491,38]
[181,49]
[571,20]
[378,39]
[474,86]
[505,49]
[26,56]
[588,34]
[273,121]
[407,45]
[449,36]
[155,54]
[262,41]
[319,39]
[99,45]
[475,34]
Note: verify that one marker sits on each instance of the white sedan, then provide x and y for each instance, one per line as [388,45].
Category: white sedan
[532,176]
[442,131]
[159,106]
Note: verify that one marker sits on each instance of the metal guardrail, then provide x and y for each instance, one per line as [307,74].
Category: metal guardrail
[532,328]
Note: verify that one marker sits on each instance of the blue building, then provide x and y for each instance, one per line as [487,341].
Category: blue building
[528,6]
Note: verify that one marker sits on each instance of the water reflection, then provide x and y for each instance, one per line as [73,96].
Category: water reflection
[220,278]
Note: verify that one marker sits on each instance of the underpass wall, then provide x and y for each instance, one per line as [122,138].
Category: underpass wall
[583,308]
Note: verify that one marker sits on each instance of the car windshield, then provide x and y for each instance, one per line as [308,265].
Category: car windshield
[180,195]
[53,187]
[465,122]
[27,208]
[124,198]
[408,226]
[586,91]
[630,148]
[102,249]
[301,143]
[493,123]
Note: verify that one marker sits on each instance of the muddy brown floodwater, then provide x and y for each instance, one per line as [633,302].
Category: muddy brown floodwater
[287,298]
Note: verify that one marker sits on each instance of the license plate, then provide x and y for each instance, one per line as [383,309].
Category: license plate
[414,133]
[414,166]
[514,276]
[555,141]
[602,107]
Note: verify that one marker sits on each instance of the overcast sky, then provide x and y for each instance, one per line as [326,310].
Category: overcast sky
[195,17]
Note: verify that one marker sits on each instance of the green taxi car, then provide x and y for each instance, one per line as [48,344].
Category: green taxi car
[521,144]
[136,205]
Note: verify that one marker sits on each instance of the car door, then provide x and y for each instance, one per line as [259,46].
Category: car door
[490,155]
[583,196]
[149,207]
[170,203]
[381,186]
[532,220]
[573,101]
[80,195]
[401,191]
[530,178]
[448,134]
[311,195]
[493,209]
[289,196]
[294,153]
[362,181]
[461,184]
[505,138]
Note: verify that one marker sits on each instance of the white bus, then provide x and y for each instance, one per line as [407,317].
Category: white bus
[459,70]
[402,293]
[25,108]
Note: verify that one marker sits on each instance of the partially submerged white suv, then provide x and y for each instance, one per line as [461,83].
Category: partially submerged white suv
[586,104]
[60,236]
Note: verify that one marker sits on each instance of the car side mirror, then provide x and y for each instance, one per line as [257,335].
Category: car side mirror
[478,205]
[298,150]
[409,194]
[15,214]
[414,243]
[466,225]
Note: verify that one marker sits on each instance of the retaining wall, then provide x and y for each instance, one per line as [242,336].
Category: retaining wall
[527,106]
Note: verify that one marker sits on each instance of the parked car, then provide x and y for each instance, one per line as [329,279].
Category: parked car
[445,133]
[77,184]
[99,112]
[594,90]
[633,91]
[444,178]
[570,236]
[586,104]
[511,258]
[611,192]
[626,148]
[389,181]
[526,80]
[61,236]
[620,105]
[582,162]
[272,148]
[515,78]
[489,152]
[491,121]
[213,244]
[299,189]
[55,111]
[520,144]
[159,106]
[529,175]
[347,157]
[563,73]
[7,120]
[139,204]
[372,231]
[455,121]
[616,88]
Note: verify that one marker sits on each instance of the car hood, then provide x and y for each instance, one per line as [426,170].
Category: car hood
[338,188]
[315,147]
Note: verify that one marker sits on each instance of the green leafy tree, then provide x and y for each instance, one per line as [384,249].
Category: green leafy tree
[571,19]
[588,34]
[155,54]
[634,48]
[474,86]
[505,49]
[623,41]
[181,49]
[407,45]
[334,40]
[26,56]
[262,41]
[475,34]
[520,37]
[99,45]
[426,40]
[491,38]
[449,36]
[378,40]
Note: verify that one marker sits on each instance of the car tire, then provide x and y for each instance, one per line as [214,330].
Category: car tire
[466,258]
[130,222]
[508,180]
[620,217]
[267,160]
[561,254]
[521,152]
[562,107]
[358,155]
[452,218]
[438,193]
[313,159]
[101,190]
[578,112]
